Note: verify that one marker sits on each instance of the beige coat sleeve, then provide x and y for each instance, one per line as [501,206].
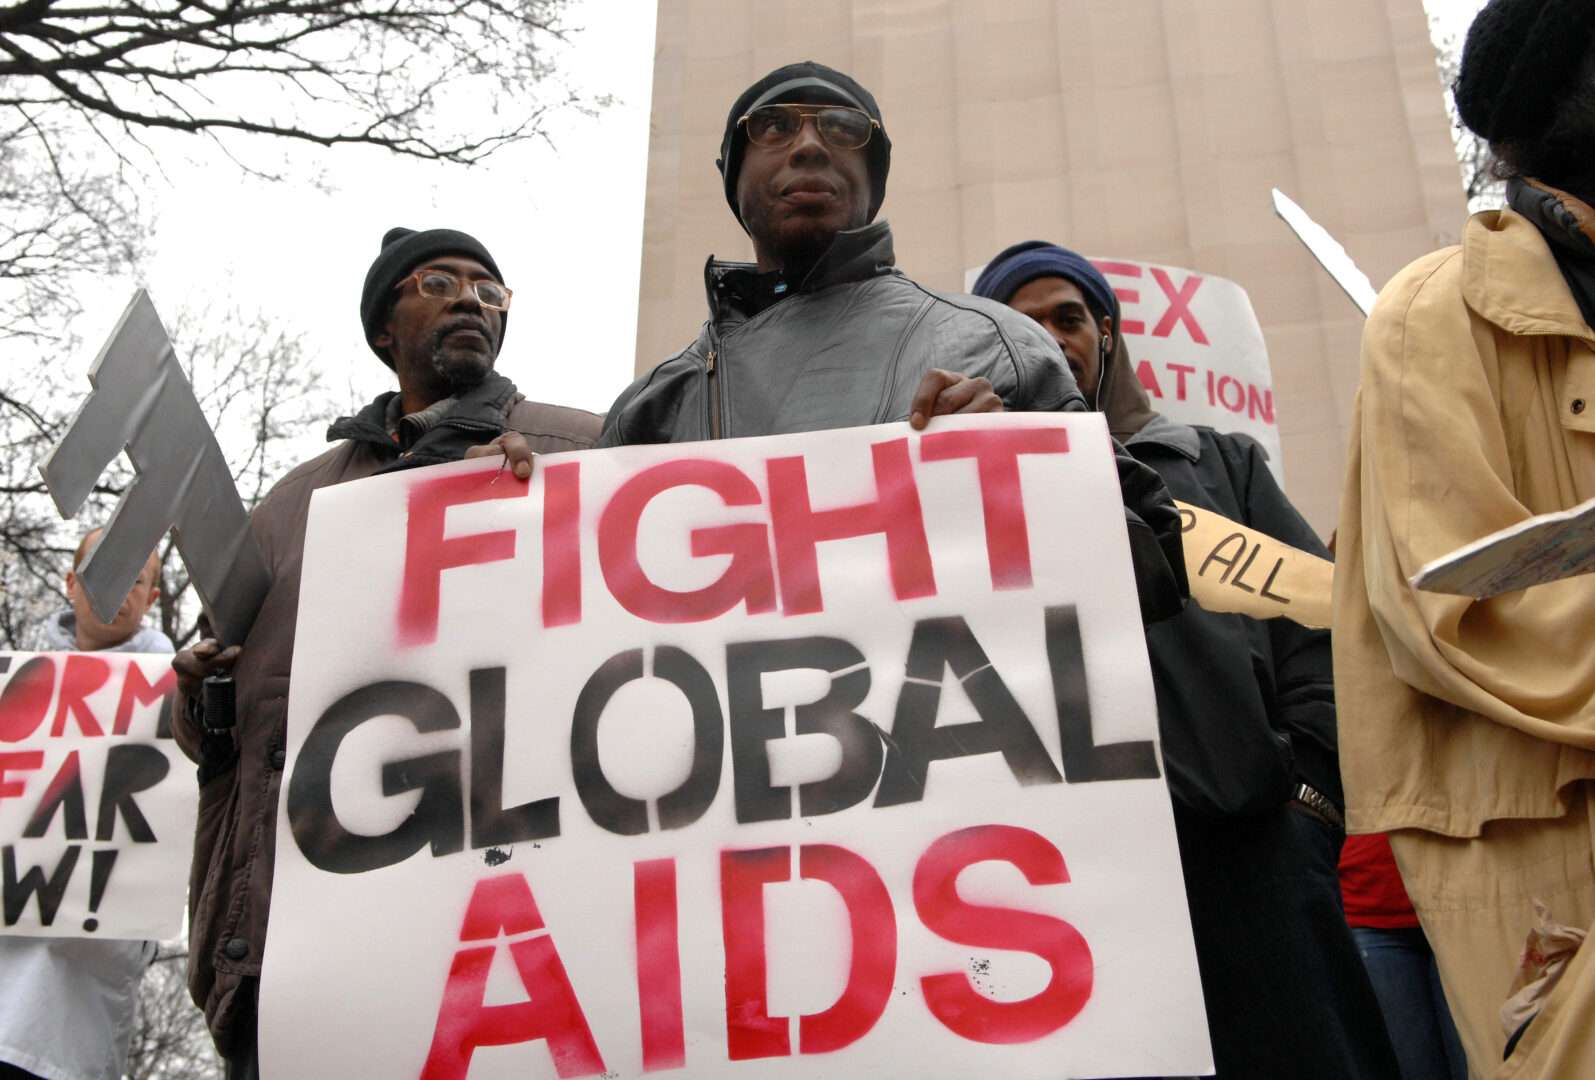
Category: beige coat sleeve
[1456,414]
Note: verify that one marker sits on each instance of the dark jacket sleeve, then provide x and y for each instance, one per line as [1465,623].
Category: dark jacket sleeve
[664,405]
[614,430]
[1156,549]
[1304,687]
[185,732]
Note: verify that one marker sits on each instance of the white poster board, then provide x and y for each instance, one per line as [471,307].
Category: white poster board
[819,755]
[97,803]
[1197,348]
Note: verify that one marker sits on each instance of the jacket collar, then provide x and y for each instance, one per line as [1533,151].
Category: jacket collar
[478,415]
[1511,278]
[854,255]
[1161,431]
[1567,224]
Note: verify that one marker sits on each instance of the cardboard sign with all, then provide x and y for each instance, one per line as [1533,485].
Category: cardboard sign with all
[1235,568]
[96,800]
[828,754]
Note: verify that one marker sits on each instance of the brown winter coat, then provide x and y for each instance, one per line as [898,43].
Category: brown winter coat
[230,883]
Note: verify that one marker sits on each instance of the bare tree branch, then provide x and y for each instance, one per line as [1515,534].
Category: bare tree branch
[376,72]
[1479,184]
[88,91]
[169,1037]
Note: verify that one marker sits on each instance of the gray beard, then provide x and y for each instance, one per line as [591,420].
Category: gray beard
[460,372]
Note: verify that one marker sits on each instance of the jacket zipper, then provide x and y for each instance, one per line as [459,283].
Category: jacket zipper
[714,397]
[469,425]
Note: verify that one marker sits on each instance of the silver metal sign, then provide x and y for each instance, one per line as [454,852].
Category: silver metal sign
[1327,250]
[142,403]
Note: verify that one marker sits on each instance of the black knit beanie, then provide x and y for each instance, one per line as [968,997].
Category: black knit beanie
[402,251]
[1520,58]
[805,81]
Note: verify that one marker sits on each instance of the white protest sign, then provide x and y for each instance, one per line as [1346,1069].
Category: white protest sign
[1197,348]
[817,755]
[97,803]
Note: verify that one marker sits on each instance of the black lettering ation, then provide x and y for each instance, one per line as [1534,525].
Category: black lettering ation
[916,741]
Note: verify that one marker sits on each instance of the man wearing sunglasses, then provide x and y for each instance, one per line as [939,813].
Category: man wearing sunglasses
[823,331]
[434,309]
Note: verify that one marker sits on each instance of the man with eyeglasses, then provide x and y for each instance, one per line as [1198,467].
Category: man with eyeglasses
[434,309]
[823,331]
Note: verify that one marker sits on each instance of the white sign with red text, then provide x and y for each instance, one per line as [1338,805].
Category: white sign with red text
[822,755]
[97,803]
[1197,349]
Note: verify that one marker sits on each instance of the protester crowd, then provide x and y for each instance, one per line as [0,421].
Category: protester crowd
[1455,737]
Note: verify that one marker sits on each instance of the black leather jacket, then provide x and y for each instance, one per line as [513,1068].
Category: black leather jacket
[847,348]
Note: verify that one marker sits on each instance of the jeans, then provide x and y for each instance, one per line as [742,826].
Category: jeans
[1408,987]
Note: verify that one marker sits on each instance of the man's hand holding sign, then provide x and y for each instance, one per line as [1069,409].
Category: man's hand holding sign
[721,757]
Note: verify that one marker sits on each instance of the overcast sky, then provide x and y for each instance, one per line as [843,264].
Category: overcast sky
[563,222]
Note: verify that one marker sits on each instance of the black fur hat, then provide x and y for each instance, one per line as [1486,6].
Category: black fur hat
[1520,58]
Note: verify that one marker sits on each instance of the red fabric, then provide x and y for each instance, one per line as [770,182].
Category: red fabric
[1371,885]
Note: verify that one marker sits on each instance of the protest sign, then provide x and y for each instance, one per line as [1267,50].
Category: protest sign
[97,802]
[817,755]
[1197,348]
[1233,568]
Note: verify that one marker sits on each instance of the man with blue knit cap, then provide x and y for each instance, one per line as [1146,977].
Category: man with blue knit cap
[823,331]
[434,308]
[1246,711]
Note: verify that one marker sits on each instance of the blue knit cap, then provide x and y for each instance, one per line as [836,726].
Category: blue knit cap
[1023,263]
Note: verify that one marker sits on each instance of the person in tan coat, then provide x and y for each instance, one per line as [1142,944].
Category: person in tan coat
[434,308]
[1468,727]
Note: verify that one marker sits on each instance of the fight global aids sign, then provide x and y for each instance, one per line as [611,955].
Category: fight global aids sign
[817,755]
